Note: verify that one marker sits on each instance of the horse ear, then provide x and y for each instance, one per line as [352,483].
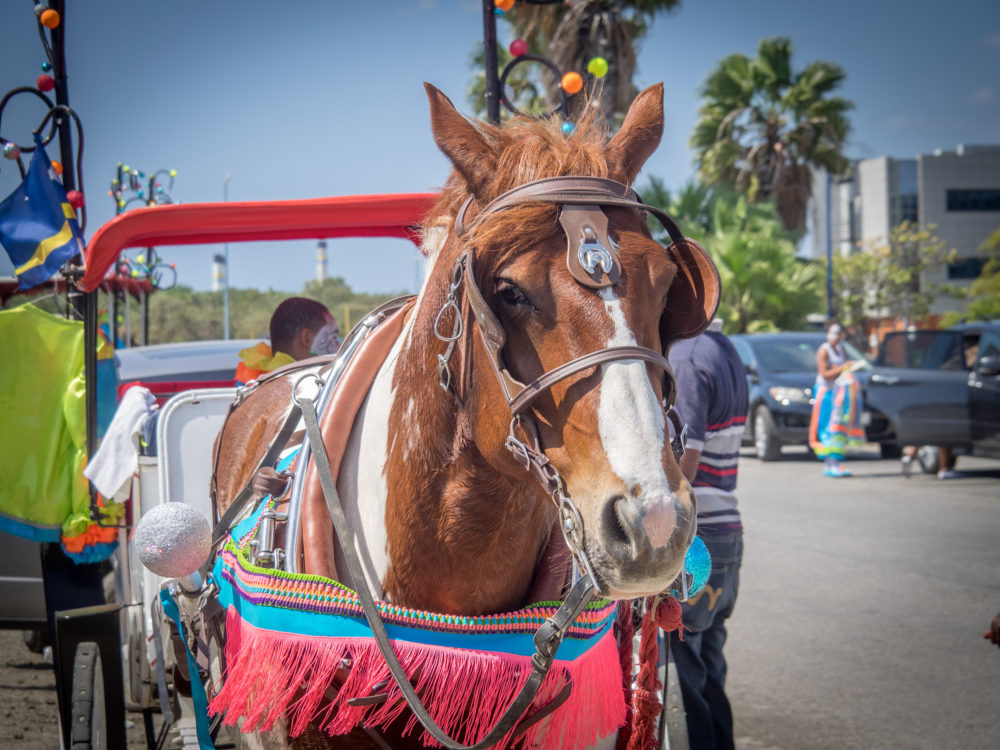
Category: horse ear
[461,141]
[640,134]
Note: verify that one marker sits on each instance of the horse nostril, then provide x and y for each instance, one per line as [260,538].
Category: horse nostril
[639,524]
[615,524]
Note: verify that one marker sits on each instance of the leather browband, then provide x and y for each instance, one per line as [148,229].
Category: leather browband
[588,191]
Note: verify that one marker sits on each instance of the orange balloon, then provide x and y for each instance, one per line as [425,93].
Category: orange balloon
[504,4]
[57,166]
[50,18]
[572,82]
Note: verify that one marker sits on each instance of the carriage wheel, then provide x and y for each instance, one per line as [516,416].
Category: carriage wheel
[89,730]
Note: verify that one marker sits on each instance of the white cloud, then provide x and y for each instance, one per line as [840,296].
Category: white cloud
[982,96]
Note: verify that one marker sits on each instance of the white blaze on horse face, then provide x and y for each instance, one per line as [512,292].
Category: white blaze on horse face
[633,430]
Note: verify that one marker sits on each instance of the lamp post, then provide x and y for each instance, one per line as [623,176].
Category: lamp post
[225,283]
[830,309]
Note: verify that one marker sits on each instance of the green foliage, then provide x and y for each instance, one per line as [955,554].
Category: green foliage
[765,287]
[182,314]
[763,125]
[984,293]
[889,278]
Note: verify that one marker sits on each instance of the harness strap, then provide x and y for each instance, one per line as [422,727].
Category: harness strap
[543,382]
[241,396]
[588,191]
[221,530]
[546,639]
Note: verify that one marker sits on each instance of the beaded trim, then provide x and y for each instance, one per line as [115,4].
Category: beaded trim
[319,595]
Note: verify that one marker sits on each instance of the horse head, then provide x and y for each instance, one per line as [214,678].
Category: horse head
[512,294]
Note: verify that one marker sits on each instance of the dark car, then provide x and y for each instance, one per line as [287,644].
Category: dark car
[938,388]
[781,373]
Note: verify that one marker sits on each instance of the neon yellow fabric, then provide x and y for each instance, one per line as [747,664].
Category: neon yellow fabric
[43,430]
[259,357]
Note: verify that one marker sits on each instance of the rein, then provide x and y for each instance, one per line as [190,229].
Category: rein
[546,639]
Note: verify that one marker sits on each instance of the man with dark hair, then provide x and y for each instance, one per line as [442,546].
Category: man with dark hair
[300,328]
[712,400]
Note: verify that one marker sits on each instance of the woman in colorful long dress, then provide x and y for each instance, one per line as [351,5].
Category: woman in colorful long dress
[836,411]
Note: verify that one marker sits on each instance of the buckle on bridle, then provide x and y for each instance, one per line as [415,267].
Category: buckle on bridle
[444,373]
[591,252]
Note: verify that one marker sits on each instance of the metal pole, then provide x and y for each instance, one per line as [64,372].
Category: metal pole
[829,254]
[145,317]
[490,63]
[68,585]
[225,287]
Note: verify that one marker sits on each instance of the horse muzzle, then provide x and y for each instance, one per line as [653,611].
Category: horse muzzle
[640,542]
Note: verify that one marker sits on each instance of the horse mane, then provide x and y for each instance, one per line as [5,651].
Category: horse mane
[524,149]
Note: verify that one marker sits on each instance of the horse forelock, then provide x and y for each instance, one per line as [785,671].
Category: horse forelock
[523,150]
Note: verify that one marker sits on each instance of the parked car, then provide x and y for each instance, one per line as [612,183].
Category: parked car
[938,388]
[781,372]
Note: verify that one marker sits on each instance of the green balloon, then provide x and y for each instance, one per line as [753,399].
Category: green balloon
[598,67]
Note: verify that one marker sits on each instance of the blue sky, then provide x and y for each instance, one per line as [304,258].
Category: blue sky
[312,98]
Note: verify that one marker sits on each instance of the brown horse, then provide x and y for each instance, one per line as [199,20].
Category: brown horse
[445,517]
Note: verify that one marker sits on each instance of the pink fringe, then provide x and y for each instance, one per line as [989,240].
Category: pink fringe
[271,674]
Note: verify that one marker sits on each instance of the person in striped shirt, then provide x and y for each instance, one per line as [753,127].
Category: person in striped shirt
[712,400]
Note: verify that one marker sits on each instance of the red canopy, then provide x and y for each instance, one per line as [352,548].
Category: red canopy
[212,223]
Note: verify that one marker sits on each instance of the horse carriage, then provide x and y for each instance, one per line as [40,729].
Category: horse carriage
[448,533]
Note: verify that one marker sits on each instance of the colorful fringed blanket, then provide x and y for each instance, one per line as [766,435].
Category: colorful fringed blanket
[288,635]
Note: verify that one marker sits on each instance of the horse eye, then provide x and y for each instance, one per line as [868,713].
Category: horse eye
[511,294]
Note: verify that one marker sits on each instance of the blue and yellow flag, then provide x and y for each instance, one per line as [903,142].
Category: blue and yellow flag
[38,226]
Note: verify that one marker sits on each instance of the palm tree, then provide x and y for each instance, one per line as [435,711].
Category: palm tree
[571,35]
[692,207]
[763,126]
[764,286]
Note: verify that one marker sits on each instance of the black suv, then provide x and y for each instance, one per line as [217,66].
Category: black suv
[781,373]
[938,388]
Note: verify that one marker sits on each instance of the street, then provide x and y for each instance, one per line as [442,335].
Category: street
[859,622]
[862,606]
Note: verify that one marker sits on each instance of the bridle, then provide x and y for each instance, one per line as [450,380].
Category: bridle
[592,259]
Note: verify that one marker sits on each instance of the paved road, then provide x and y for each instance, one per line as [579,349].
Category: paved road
[859,623]
[862,607]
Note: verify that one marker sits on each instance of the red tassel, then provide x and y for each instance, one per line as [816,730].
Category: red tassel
[646,698]
[669,616]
